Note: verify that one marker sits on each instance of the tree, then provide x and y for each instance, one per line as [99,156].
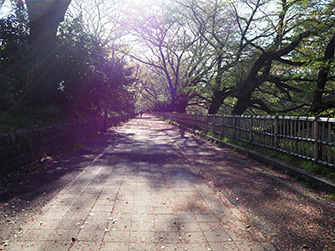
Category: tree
[102,22]
[44,19]
[212,20]
[102,19]
[166,46]
[85,73]
[91,81]
[318,104]
[14,51]
[286,39]
[253,61]
[323,95]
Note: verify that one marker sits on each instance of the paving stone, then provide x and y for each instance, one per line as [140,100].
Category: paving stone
[34,235]
[95,225]
[163,237]
[223,245]
[72,220]
[85,245]
[162,210]
[89,235]
[62,205]
[24,245]
[216,236]
[106,207]
[142,209]
[190,227]
[142,237]
[119,224]
[81,207]
[193,237]
[143,246]
[61,245]
[144,217]
[206,217]
[183,247]
[123,208]
[45,222]
[211,226]
[141,226]
[198,208]
[117,236]
[185,217]
[63,234]
[42,245]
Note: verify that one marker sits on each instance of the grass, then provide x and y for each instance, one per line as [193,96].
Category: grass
[329,196]
[308,165]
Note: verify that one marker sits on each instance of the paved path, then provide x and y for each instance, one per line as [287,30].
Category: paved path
[140,193]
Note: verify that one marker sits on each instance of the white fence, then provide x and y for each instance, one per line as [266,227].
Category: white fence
[305,137]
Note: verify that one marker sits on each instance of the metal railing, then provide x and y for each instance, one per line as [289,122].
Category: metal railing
[310,138]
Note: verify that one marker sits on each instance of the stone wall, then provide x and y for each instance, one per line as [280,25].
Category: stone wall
[22,147]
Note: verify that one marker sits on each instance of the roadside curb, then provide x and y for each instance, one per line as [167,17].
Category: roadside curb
[319,182]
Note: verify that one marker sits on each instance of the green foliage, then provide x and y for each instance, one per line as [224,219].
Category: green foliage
[330,197]
[88,78]
[90,82]
[14,57]
[264,65]
[25,117]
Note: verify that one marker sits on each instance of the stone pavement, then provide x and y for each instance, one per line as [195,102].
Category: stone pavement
[140,193]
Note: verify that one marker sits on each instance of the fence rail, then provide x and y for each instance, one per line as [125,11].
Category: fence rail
[310,138]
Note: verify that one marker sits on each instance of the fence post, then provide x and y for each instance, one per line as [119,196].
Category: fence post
[206,127]
[276,132]
[234,127]
[316,139]
[250,128]
[194,121]
[222,127]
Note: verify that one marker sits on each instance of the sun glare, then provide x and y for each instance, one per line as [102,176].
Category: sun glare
[5,8]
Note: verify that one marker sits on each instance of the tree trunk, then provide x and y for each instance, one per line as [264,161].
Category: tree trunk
[217,101]
[264,60]
[242,103]
[318,104]
[44,18]
[250,84]
[180,107]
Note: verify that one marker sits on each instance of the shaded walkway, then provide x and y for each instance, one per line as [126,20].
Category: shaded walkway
[140,193]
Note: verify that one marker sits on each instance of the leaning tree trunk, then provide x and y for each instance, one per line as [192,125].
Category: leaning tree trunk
[250,84]
[44,19]
[318,105]
[217,100]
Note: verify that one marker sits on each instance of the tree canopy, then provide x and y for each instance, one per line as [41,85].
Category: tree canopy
[213,56]
[64,65]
